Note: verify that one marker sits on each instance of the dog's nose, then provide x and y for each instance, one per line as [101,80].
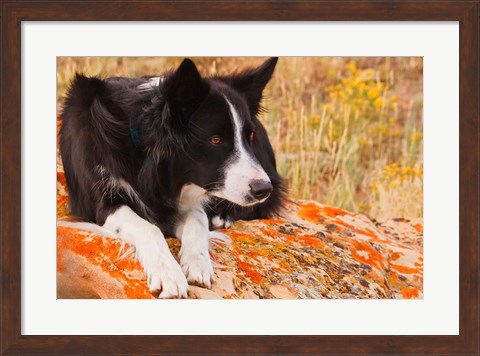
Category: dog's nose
[260,189]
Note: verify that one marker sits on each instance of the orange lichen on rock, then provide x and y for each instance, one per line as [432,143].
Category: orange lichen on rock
[365,253]
[313,213]
[137,290]
[410,292]
[61,179]
[309,212]
[310,240]
[249,271]
[404,269]
[418,227]
[395,256]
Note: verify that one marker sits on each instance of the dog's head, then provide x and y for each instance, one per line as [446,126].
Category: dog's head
[225,147]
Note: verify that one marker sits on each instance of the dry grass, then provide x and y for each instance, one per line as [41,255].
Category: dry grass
[346,131]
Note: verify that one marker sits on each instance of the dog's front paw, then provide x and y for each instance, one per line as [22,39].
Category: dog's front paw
[168,278]
[197,268]
[220,223]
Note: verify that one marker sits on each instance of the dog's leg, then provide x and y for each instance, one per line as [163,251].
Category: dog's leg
[194,233]
[194,255]
[162,270]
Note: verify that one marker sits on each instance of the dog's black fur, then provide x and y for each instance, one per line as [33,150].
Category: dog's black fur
[156,141]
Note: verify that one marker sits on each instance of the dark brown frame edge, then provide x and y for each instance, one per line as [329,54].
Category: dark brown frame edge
[14,12]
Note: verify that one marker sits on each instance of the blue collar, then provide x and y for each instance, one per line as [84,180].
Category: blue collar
[134,134]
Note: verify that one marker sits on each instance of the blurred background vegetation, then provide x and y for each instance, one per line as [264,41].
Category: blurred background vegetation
[346,131]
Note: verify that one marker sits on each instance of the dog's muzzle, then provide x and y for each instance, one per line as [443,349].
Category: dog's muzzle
[260,189]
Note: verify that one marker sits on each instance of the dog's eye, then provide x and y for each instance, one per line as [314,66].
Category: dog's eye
[215,140]
[252,136]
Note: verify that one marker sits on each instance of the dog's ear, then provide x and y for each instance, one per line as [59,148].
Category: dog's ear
[186,90]
[252,82]
[163,124]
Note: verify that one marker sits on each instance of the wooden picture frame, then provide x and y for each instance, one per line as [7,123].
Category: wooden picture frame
[12,15]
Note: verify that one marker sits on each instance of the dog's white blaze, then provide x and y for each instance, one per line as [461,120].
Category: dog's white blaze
[242,169]
[151,249]
[194,233]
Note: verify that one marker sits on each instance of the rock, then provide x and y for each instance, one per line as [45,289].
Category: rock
[281,292]
[295,257]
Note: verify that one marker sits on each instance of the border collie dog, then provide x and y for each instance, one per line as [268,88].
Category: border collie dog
[173,155]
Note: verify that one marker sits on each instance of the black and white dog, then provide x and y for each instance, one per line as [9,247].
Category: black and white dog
[170,155]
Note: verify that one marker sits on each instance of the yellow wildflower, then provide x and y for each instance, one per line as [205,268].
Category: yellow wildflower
[373,93]
[352,66]
[378,102]
[416,136]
